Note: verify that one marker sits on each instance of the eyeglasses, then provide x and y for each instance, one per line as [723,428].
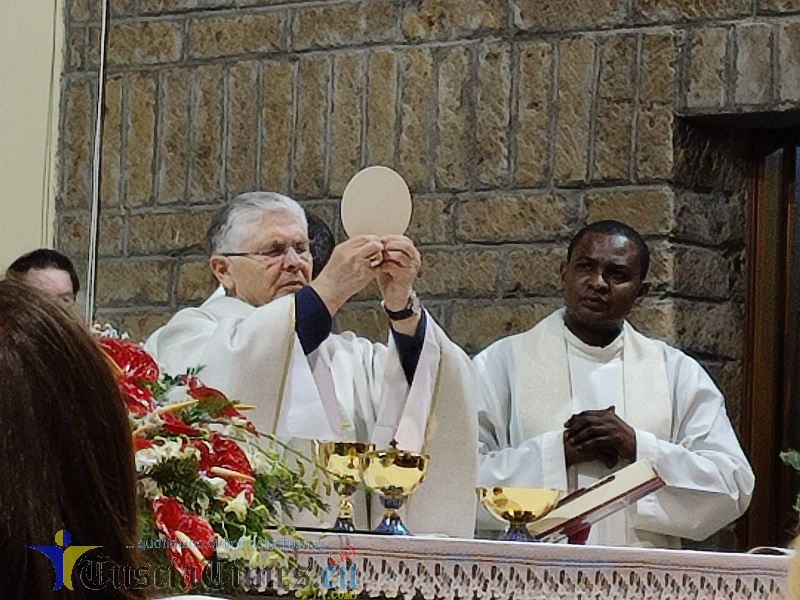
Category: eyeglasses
[276,252]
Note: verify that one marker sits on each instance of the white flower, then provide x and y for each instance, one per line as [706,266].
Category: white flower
[238,506]
[147,458]
[217,484]
[245,548]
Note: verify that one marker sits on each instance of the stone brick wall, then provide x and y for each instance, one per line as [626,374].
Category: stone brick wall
[515,122]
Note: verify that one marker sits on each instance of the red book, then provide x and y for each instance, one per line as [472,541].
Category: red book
[587,506]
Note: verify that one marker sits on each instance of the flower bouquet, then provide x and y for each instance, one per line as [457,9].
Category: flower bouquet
[212,492]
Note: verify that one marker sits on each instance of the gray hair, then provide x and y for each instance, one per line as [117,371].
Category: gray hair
[230,224]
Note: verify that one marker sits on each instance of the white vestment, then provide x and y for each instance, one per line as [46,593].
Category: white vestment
[348,389]
[528,391]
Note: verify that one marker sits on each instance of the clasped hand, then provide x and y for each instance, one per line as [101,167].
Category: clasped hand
[598,435]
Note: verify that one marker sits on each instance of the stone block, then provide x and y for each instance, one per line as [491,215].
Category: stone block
[276,125]
[173,139]
[313,77]
[76,139]
[708,159]
[656,319]
[464,272]
[708,219]
[343,24]
[126,282]
[711,329]
[364,319]
[144,43]
[789,61]
[662,11]
[431,221]
[729,376]
[453,124]
[618,68]
[662,267]
[702,273]
[140,325]
[241,145]
[659,80]
[81,10]
[381,107]
[493,114]
[168,233]
[415,161]
[475,326]
[575,84]
[196,282]
[451,19]
[235,34]
[140,133]
[501,217]
[73,235]
[91,58]
[612,140]
[205,175]
[648,210]
[533,271]
[567,15]
[753,64]
[111,163]
[76,48]
[346,120]
[706,85]
[777,6]
[534,110]
[654,142]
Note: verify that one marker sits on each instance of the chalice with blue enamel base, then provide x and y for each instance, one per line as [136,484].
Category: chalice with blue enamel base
[394,474]
[518,506]
[343,461]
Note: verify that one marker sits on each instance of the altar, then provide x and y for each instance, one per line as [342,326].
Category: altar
[454,568]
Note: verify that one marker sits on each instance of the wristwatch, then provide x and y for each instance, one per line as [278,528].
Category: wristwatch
[411,308]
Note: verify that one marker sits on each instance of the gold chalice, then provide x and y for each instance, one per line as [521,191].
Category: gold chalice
[394,474]
[343,459]
[518,506]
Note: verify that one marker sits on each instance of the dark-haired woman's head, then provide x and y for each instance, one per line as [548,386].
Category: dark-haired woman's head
[65,447]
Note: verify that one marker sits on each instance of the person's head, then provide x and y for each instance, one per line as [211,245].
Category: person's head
[48,271]
[65,446]
[259,249]
[322,242]
[604,276]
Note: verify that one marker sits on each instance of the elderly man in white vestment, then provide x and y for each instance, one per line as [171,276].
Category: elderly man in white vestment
[266,340]
[583,394]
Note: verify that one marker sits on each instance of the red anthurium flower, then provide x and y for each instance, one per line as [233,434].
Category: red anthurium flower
[140,443]
[191,538]
[214,401]
[175,426]
[131,358]
[224,458]
[138,400]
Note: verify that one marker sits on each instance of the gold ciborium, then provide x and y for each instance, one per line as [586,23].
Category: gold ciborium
[518,506]
[343,460]
[394,474]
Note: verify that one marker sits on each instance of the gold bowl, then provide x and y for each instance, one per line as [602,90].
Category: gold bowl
[343,460]
[518,506]
[394,474]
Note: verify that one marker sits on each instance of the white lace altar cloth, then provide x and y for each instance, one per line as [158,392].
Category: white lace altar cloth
[450,568]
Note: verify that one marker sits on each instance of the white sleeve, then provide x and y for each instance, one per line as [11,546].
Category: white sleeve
[709,480]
